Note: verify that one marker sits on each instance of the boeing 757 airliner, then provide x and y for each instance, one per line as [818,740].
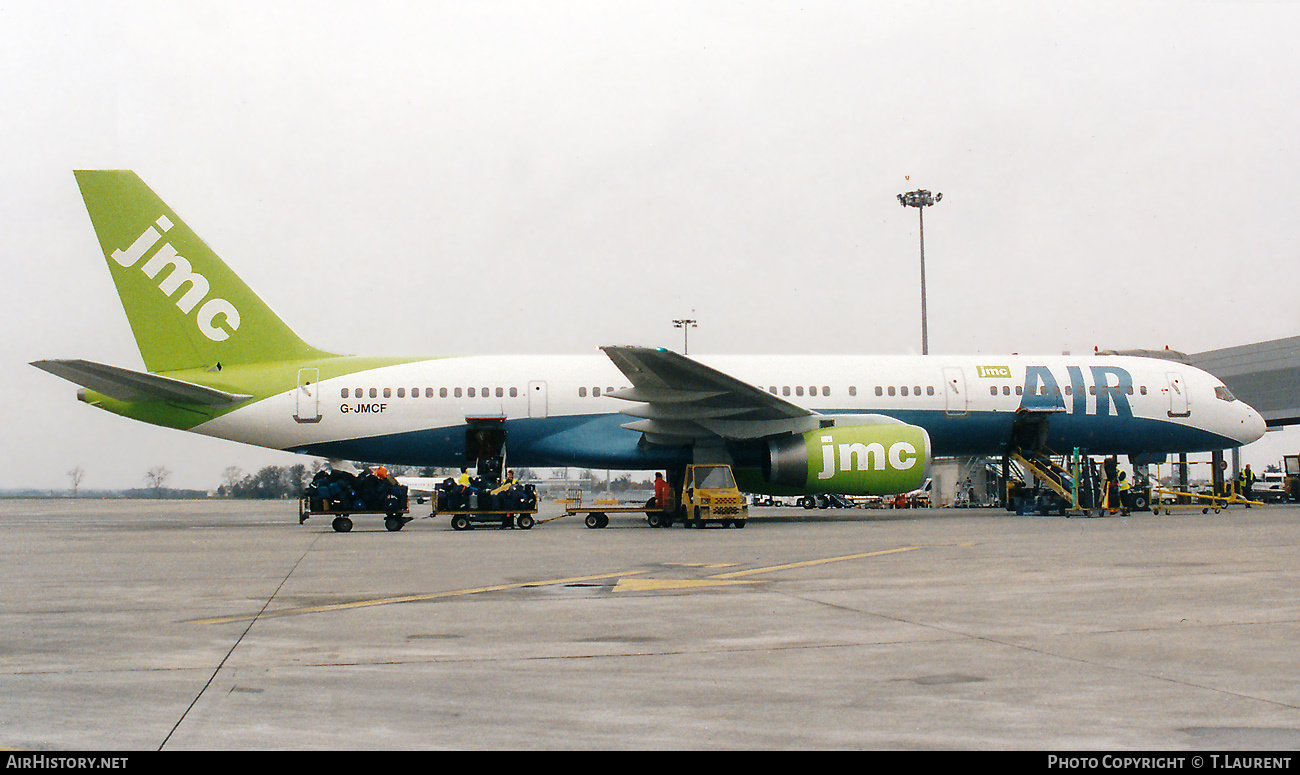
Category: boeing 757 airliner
[219,362]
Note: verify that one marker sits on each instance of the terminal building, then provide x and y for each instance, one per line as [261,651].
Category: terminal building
[1265,375]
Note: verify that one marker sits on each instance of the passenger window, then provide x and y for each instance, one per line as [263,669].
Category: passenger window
[374,392]
[472,394]
[344,394]
[1144,390]
[879,390]
[853,390]
[609,390]
[1006,390]
[785,390]
[458,392]
[903,390]
[500,392]
[798,390]
[993,390]
[1020,391]
[582,392]
[929,390]
[891,390]
[428,392]
[514,392]
[772,390]
[357,392]
[401,392]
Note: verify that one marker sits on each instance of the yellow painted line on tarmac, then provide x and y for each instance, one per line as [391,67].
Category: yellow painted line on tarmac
[622,584]
[722,579]
[810,563]
[315,609]
[660,585]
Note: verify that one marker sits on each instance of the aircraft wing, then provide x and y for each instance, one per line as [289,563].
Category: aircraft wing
[681,399]
[127,385]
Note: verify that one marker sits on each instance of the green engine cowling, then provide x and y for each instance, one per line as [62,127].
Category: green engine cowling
[851,460]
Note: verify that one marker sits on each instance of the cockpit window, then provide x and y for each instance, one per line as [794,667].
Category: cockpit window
[1224,394]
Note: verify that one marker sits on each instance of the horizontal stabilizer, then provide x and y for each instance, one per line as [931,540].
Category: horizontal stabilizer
[133,386]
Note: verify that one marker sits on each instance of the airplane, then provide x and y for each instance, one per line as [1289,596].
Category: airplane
[219,362]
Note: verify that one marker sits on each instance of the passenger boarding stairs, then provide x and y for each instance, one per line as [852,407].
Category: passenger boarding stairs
[1045,468]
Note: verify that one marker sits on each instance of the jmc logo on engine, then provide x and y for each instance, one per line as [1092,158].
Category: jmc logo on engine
[857,456]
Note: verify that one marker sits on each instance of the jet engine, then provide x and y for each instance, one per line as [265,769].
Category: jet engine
[851,460]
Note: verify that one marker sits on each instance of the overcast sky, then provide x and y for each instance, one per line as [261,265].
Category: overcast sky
[488,177]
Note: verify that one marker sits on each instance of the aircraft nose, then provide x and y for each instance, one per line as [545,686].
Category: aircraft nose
[1250,426]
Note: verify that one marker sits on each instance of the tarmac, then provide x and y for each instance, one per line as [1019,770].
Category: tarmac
[218,625]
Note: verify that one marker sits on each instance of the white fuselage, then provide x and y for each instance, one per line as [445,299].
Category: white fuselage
[558,410]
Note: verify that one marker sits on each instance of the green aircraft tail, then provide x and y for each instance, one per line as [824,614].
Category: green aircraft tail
[187,309]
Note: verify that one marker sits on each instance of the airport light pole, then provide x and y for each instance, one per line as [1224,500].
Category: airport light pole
[921,199]
[685,324]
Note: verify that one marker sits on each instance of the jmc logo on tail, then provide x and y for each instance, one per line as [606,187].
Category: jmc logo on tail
[217,318]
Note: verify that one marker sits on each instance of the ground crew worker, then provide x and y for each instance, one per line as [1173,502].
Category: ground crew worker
[1123,491]
[663,493]
[463,479]
[506,483]
[1112,485]
[1248,484]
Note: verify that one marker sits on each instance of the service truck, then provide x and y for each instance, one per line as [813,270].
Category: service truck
[706,494]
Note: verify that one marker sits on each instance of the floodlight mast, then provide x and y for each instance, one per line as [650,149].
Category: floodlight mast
[685,324]
[921,199]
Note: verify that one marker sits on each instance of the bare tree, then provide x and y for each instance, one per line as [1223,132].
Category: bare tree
[76,475]
[230,477]
[156,477]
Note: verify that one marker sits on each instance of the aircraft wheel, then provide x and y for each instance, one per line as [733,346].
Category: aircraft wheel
[525,522]
[459,522]
[342,524]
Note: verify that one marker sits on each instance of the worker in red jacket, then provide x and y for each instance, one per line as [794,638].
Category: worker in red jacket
[663,493]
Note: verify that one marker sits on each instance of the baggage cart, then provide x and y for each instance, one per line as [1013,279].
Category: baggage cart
[394,519]
[465,519]
[597,514]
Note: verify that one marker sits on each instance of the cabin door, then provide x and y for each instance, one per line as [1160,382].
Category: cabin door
[954,391]
[537,399]
[1180,405]
[307,407]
